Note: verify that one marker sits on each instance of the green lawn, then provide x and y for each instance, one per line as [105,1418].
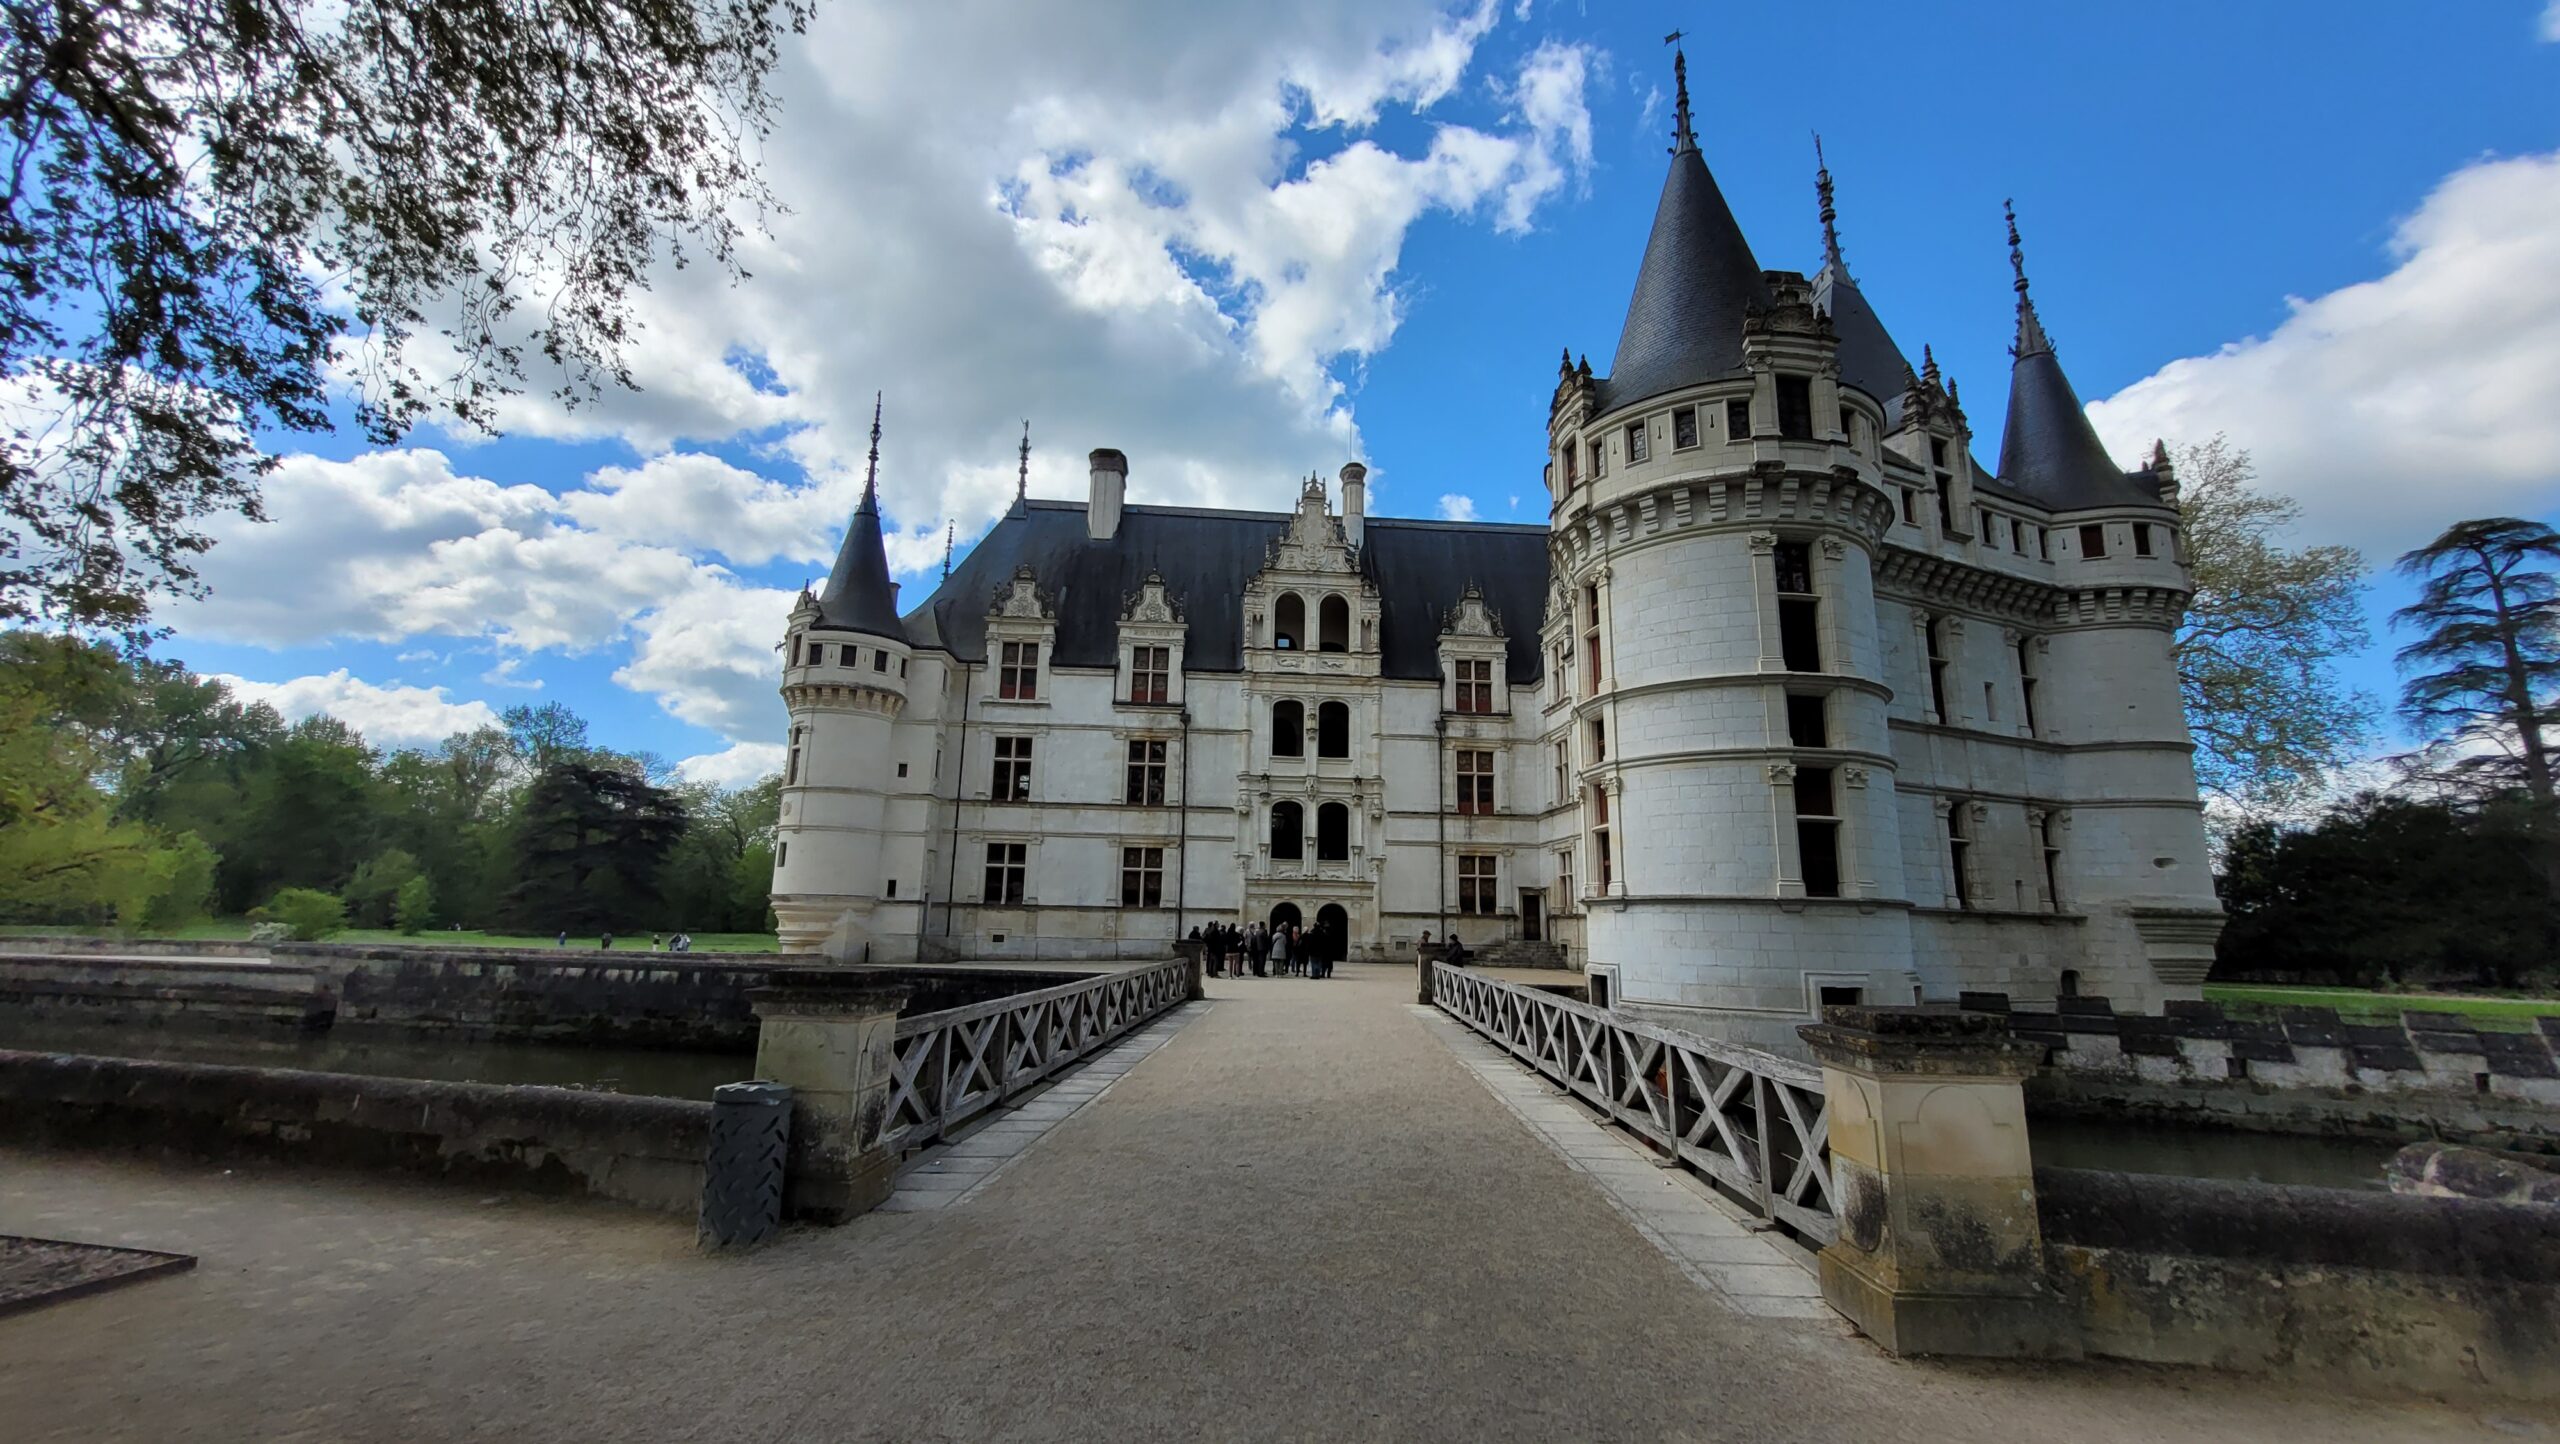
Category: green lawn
[237,929]
[2362,1003]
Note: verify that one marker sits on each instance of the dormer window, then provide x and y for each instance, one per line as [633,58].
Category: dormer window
[1937,451]
[1150,672]
[1737,420]
[1684,428]
[1018,675]
[1795,408]
[1473,685]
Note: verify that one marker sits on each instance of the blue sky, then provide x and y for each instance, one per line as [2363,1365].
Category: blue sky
[1244,247]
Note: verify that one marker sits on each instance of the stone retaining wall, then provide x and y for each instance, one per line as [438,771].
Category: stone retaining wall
[639,1150]
[77,945]
[2370,1289]
[250,994]
[2296,1070]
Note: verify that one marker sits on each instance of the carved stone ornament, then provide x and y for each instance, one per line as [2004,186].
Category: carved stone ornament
[1763,543]
[1833,548]
[1151,603]
[1782,773]
[1024,597]
[1471,617]
[1854,776]
[1981,811]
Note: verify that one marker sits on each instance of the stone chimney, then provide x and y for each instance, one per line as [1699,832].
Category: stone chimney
[1355,500]
[1110,487]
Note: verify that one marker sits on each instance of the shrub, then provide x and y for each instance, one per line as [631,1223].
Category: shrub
[415,905]
[309,912]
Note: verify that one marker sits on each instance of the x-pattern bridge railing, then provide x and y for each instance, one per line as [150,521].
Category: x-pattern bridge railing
[953,1065]
[1755,1123]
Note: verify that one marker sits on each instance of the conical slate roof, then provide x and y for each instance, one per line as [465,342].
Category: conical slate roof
[2048,449]
[859,596]
[1698,281]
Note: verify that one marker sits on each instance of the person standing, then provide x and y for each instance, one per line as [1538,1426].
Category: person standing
[1257,946]
[1280,951]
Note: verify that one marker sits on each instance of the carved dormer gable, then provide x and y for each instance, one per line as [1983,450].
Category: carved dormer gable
[1151,603]
[1472,616]
[1310,598]
[1023,598]
[1315,540]
[1790,311]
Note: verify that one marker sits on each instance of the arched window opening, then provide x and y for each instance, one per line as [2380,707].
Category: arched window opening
[1289,623]
[1288,730]
[1333,625]
[1288,832]
[1333,729]
[1333,833]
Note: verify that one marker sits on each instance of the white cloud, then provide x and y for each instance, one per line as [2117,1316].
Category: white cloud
[2395,406]
[733,767]
[708,655]
[387,716]
[2550,26]
[689,499]
[1457,508]
[510,673]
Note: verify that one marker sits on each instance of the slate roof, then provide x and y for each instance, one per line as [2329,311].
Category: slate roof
[1206,557]
[858,596]
[1698,281]
[2049,452]
[1869,360]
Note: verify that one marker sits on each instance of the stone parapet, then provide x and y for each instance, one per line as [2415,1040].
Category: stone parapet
[829,1035]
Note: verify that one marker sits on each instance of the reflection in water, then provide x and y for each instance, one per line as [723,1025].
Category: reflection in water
[2208,1153]
[653,1072]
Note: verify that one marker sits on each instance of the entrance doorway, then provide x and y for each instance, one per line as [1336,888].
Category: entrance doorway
[1533,916]
[1286,915]
[1334,926]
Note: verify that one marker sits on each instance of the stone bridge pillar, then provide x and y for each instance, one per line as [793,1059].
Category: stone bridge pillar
[828,1034]
[1939,1251]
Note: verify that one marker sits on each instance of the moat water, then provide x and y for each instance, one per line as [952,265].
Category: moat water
[2209,1153]
[653,1072]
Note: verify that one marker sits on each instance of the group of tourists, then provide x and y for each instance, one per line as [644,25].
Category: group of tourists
[1266,951]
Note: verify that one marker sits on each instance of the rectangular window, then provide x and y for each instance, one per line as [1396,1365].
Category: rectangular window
[1144,785]
[2044,544]
[1910,507]
[1684,428]
[879,661]
[1475,884]
[2052,862]
[2017,536]
[1795,407]
[1959,853]
[1937,451]
[1012,781]
[1982,526]
[1564,773]
[2027,682]
[1848,427]
[1839,997]
[2093,540]
[1602,870]
[1799,610]
[791,768]
[1737,420]
[1141,877]
[1599,459]
[893,887]
[1817,832]
[1636,447]
[1946,507]
[1591,638]
[1933,632]
[1564,877]
[1475,783]
[1599,740]
[1806,726]
[1474,685]
[1572,463]
[795,651]
[1008,866]
[2142,538]
[1018,675]
[1150,674]
[781,854]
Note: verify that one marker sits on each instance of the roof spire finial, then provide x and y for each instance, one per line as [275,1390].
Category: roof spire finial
[2031,337]
[1830,213]
[1928,365]
[1682,137]
[950,536]
[871,471]
[1022,475]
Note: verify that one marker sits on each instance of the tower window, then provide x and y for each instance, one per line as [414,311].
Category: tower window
[879,661]
[2027,682]
[1564,877]
[1806,726]
[1602,867]
[1933,631]
[2142,538]
[1737,420]
[2017,536]
[1333,729]
[1475,884]
[1012,780]
[2052,848]
[1141,877]
[2093,540]
[1910,507]
[1564,773]
[1946,506]
[1150,673]
[1599,740]
[795,651]
[1333,833]
[1008,867]
[1599,459]
[1591,638]
[1959,855]
[791,767]
[1817,832]
[1018,678]
[1144,784]
[1475,783]
[1684,428]
[1474,685]
[1799,610]
[2044,544]
[1636,443]
[1795,407]
[1572,463]
[1288,729]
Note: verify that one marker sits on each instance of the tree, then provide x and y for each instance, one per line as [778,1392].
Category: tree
[587,848]
[2483,673]
[545,736]
[415,907]
[2257,651]
[193,180]
[309,912]
[2389,890]
[374,891]
[719,878]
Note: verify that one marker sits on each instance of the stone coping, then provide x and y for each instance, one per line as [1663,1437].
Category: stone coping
[2422,1041]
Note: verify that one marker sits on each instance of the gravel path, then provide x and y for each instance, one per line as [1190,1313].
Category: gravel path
[1301,1218]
